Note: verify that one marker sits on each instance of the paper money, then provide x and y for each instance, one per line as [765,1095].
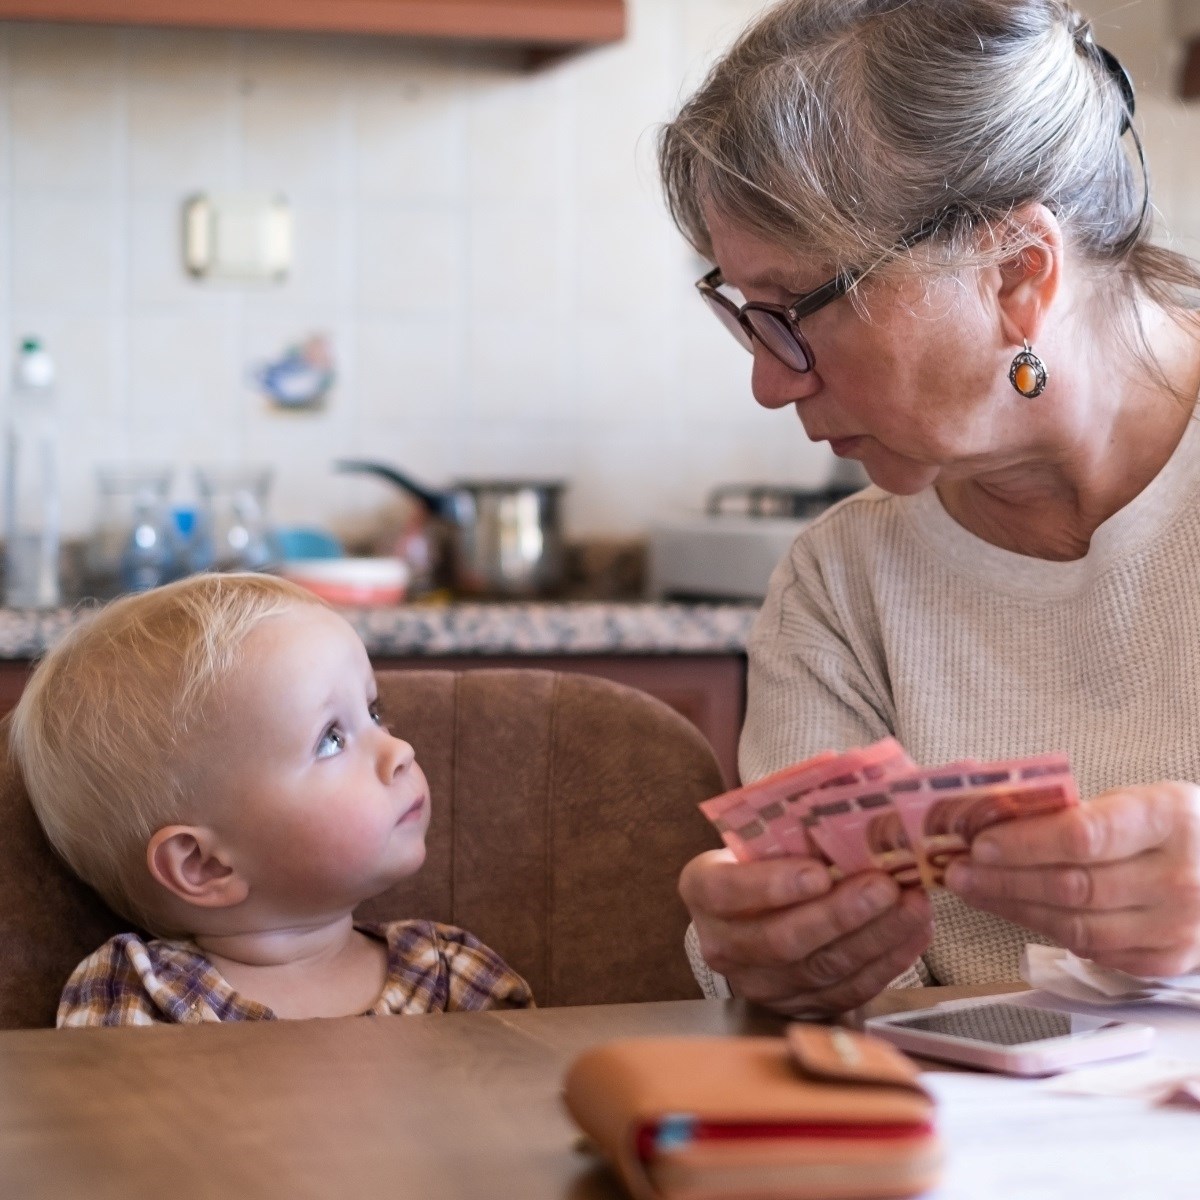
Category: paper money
[945,808]
[872,808]
[863,832]
[767,818]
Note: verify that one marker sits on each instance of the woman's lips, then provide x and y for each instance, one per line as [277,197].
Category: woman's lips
[842,446]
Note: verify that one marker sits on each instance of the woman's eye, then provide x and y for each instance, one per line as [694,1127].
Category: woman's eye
[332,742]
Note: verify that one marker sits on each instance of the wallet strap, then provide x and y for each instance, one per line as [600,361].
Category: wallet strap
[843,1056]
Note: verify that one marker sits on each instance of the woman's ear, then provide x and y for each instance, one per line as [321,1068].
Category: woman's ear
[1030,278]
[189,863]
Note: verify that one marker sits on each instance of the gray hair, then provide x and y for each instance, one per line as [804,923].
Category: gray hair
[834,128]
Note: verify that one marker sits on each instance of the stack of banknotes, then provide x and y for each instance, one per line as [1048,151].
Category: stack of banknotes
[873,808]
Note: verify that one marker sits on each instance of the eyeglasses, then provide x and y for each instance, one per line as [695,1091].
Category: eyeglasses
[777,326]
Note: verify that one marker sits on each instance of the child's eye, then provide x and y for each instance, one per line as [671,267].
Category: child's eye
[376,714]
[333,741]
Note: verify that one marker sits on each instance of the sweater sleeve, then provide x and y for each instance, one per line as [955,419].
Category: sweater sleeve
[713,985]
[818,681]
[817,678]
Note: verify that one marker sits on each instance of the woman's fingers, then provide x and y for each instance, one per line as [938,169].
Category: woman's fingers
[871,958]
[1154,961]
[1117,880]
[1099,887]
[1089,934]
[716,884]
[826,955]
[908,924]
[791,934]
[1136,940]
[1116,825]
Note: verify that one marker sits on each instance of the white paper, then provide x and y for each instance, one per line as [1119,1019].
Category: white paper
[1059,971]
[1024,1139]
[1010,1139]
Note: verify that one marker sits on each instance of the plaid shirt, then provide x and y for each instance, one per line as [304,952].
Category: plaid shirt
[431,968]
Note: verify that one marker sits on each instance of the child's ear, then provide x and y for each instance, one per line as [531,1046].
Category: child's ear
[186,860]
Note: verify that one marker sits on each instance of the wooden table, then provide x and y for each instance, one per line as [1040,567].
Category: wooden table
[442,1106]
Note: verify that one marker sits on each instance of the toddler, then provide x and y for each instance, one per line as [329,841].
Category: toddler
[210,757]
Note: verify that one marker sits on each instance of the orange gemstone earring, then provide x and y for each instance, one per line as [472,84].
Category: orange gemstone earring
[1028,373]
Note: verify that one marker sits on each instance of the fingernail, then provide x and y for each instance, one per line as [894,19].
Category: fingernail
[958,877]
[876,897]
[984,850]
[811,881]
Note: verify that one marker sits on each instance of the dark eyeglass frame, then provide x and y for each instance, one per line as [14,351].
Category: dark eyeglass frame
[778,327]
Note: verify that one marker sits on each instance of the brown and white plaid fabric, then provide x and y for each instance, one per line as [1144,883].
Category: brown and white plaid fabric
[431,968]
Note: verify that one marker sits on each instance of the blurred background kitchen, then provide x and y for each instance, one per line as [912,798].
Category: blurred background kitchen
[473,250]
[255,253]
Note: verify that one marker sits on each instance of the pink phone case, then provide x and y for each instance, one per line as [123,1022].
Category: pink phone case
[1122,1040]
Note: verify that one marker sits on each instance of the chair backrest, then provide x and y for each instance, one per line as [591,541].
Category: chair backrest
[564,807]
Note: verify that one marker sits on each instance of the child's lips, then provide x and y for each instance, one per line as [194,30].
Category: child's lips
[413,811]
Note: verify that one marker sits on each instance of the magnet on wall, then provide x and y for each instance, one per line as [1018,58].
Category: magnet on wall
[301,378]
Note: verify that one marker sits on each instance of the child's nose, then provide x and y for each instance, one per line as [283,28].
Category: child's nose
[397,756]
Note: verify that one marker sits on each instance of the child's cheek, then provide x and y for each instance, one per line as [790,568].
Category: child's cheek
[334,843]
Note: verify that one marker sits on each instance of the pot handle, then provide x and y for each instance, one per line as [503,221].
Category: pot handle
[440,504]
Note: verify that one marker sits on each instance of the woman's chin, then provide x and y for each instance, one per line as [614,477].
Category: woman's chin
[901,479]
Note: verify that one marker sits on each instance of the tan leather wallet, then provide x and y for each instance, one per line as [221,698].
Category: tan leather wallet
[819,1114]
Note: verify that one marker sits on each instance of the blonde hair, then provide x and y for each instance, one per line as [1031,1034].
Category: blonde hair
[834,128]
[105,730]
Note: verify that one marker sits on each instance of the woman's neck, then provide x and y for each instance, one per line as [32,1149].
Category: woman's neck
[1111,442]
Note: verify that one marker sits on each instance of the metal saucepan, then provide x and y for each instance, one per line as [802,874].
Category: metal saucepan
[505,536]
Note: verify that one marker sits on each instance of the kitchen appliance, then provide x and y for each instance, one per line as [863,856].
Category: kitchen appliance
[504,537]
[727,553]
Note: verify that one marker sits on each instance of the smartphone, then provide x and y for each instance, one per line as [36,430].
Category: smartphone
[1016,1039]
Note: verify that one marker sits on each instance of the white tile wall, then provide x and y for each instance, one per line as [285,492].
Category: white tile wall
[485,247]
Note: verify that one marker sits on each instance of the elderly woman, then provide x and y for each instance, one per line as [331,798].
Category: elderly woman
[929,233]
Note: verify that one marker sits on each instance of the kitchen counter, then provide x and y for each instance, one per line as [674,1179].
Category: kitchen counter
[690,656]
[416,630]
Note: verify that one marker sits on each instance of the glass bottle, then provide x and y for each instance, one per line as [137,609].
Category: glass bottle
[31,493]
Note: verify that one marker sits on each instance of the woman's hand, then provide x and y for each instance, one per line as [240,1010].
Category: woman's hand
[1116,880]
[787,937]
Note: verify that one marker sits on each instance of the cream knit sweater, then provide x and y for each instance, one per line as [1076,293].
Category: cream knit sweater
[889,617]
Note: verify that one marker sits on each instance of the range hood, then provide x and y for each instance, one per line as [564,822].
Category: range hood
[544,24]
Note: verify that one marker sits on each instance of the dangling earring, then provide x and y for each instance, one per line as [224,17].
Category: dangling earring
[1028,373]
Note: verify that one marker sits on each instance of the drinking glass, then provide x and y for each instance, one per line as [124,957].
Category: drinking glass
[133,545]
[234,533]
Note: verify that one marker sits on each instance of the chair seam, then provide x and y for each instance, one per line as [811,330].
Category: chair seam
[550,839]
[455,723]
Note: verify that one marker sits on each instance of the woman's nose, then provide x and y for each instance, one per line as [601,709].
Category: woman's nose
[395,757]
[775,384]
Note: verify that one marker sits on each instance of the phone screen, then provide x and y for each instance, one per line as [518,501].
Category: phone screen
[1004,1024]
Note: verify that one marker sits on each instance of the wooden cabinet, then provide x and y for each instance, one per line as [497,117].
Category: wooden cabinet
[535,23]
[708,689]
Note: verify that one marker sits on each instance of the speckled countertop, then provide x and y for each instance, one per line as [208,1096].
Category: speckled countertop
[497,629]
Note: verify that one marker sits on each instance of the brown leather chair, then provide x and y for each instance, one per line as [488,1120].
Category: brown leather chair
[564,807]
